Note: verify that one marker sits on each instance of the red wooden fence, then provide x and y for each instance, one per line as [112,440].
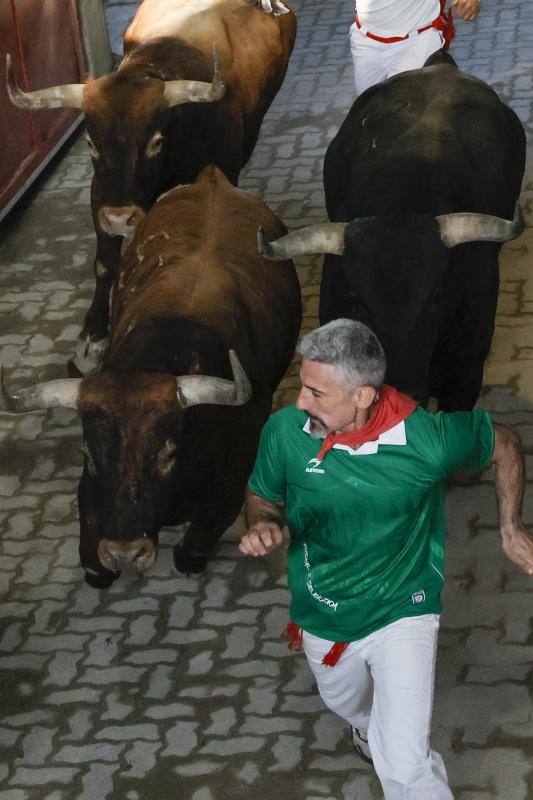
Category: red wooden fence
[44,39]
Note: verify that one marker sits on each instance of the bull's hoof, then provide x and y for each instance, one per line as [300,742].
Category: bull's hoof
[100,580]
[188,562]
[88,356]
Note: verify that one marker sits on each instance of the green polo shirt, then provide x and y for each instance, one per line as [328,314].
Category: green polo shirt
[366,526]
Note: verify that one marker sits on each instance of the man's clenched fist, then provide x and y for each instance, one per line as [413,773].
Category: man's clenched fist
[261,538]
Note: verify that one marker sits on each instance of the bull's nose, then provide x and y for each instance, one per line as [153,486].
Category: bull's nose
[120,220]
[138,554]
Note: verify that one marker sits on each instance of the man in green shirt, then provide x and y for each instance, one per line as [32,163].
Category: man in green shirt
[358,472]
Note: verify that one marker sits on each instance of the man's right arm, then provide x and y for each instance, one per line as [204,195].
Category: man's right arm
[465,9]
[265,520]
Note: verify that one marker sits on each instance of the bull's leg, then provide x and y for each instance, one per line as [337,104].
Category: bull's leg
[465,333]
[93,339]
[203,533]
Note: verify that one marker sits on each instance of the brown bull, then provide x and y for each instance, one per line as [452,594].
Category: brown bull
[169,435]
[168,111]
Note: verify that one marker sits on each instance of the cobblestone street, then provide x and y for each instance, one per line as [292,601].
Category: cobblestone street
[168,687]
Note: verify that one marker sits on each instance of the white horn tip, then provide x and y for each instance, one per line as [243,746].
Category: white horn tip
[242,384]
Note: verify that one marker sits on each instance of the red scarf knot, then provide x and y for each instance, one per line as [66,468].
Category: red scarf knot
[392,407]
[294,635]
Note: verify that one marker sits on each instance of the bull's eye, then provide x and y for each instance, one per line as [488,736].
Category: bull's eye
[153,148]
[89,460]
[93,150]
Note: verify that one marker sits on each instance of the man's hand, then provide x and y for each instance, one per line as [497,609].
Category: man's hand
[518,546]
[274,7]
[261,538]
[465,9]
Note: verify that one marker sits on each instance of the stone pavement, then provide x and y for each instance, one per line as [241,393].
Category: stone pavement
[169,686]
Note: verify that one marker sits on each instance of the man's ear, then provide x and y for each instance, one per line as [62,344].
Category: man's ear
[365,396]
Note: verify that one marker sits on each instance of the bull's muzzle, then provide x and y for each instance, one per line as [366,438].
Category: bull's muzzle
[138,555]
[120,220]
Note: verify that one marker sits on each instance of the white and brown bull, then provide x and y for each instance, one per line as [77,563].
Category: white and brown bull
[171,108]
[170,429]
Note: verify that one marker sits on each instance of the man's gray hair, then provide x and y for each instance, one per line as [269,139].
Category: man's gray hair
[350,346]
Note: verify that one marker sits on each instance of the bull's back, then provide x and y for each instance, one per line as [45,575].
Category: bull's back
[237,27]
[431,140]
[195,258]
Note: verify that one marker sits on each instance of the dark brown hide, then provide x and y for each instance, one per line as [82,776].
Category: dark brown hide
[141,147]
[191,287]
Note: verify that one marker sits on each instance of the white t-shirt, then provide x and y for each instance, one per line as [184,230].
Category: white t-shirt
[396,17]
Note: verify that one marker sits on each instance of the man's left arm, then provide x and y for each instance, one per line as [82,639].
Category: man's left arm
[507,457]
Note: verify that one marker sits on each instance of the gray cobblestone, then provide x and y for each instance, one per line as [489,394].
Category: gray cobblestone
[181,739]
[94,752]
[79,724]
[197,662]
[25,776]
[222,722]
[98,782]
[142,758]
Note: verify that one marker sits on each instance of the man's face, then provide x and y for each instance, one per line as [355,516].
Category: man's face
[324,396]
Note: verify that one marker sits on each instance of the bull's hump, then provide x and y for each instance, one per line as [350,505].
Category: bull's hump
[179,18]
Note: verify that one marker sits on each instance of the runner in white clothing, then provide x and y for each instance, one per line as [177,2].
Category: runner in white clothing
[391,36]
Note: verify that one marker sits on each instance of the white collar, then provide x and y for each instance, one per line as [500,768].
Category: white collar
[395,435]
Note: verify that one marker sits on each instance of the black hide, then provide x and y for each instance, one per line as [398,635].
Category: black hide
[390,277]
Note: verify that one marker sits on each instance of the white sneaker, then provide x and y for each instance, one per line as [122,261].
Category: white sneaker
[360,743]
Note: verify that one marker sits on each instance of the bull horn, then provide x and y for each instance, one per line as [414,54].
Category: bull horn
[52,394]
[193,390]
[70,95]
[325,238]
[179,92]
[468,227]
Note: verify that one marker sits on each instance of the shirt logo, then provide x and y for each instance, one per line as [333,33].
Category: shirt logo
[313,466]
[310,588]
[418,597]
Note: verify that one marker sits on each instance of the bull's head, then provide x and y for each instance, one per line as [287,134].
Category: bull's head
[132,425]
[389,272]
[127,122]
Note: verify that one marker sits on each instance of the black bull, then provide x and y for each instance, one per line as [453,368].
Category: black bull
[158,120]
[169,437]
[412,150]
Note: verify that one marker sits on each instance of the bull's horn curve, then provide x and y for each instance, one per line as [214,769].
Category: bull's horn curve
[193,390]
[469,227]
[179,92]
[63,393]
[327,237]
[70,95]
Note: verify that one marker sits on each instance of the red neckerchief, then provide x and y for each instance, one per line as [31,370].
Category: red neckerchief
[392,407]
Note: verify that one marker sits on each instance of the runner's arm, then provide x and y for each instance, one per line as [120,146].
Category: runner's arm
[265,520]
[516,541]
[466,9]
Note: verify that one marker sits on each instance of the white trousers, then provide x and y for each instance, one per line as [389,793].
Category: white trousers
[383,685]
[374,62]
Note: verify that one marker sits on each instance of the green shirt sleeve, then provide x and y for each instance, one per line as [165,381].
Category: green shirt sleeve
[465,438]
[268,479]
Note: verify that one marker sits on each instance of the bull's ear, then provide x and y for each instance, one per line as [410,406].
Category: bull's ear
[193,390]
[70,95]
[325,238]
[468,227]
